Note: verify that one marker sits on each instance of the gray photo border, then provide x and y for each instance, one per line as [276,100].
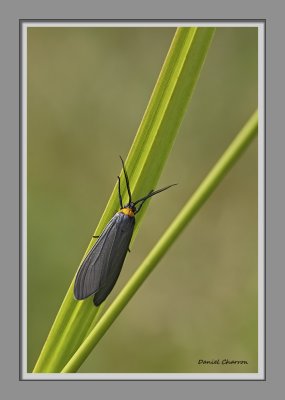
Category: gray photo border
[11,13]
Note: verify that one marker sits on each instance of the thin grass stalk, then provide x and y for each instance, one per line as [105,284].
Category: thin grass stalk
[208,185]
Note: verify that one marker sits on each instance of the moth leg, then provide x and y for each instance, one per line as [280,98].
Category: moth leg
[140,206]
[129,250]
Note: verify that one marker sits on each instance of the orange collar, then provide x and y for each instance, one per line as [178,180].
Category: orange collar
[127,211]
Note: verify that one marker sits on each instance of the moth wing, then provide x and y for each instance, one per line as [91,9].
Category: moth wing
[116,259]
[88,277]
[101,267]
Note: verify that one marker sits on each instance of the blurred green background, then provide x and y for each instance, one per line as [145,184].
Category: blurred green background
[87,92]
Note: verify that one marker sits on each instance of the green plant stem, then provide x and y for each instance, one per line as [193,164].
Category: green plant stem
[144,164]
[207,186]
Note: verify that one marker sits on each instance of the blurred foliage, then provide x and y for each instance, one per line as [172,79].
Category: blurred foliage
[87,92]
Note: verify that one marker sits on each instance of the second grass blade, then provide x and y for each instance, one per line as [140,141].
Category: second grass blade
[230,156]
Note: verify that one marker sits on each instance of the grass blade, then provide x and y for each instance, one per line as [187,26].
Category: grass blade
[144,163]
